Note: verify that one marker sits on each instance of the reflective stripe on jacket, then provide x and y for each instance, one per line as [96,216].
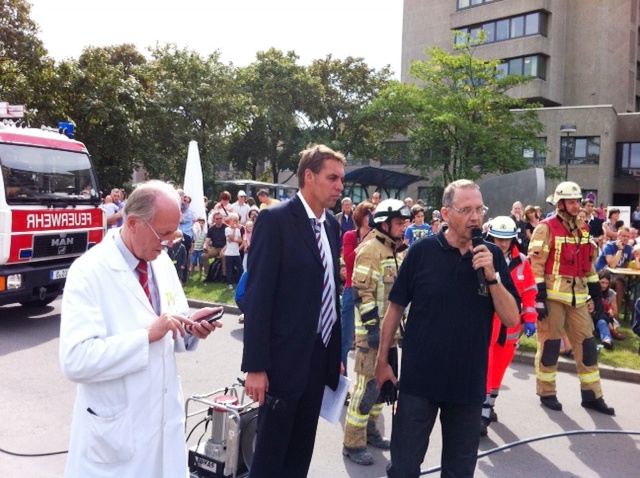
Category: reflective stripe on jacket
[562,256]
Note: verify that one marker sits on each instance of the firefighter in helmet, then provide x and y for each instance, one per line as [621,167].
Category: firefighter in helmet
[503,232]
[375,270]
[562,258]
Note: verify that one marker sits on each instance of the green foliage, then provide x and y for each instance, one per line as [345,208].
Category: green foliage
[341,120]
[101,94]
[457,117]
[282,94]
[191,98]
[554,173]
[25,70]
[216,292]
[134,113]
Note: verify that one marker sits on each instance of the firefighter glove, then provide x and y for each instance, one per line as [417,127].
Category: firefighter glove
[373,333]
[596,294]
[369,397]
[529,328]
[541,301]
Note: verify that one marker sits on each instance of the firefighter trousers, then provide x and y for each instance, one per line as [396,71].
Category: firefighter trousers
[578,325]
[363,407]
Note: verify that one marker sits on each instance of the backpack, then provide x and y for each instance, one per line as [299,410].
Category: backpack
[214,274]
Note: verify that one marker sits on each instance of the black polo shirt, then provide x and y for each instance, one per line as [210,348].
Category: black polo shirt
[444,353]
[217,237]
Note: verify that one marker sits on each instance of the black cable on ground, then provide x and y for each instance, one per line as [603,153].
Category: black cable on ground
[539,438]
[33,455]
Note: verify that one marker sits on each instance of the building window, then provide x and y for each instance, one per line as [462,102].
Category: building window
[536,158]
[462,4]
[585,150]
[517,27]
[534,23]
[628,159]
[502,30]
[534,65]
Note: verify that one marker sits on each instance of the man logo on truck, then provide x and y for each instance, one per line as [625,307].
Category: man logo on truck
[62,241]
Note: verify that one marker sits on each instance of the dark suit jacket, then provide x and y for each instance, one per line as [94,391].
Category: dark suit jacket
[339,217]
[282,298]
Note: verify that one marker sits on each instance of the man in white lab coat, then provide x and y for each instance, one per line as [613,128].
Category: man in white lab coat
[119,330]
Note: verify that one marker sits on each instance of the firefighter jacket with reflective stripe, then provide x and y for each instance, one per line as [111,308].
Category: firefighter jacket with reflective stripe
[522,278]
[562,257]
[374,272]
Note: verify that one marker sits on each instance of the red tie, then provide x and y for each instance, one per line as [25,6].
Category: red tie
[143,277]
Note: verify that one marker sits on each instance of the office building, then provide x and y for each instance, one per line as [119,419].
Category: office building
[585,60]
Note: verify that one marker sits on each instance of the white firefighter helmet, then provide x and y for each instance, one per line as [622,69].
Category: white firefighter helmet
[390,208]
[565,190]
[502,227]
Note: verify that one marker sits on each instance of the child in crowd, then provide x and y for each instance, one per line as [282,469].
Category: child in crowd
[601,322]
[248,229]
[178,254]
[634,263]
[199,235]
[110,208]
[232,251]
[610,303]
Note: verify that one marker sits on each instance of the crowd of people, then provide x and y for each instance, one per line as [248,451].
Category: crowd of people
[374,277]
[223,233]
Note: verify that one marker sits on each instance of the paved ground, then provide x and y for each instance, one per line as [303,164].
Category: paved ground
[36,407]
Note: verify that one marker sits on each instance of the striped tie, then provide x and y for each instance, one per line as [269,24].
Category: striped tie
[327,308]
[143,277]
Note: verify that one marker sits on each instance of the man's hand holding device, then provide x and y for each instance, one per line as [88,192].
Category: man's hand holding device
[204,321]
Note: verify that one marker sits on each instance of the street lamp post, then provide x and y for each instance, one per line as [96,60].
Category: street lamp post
[567,129]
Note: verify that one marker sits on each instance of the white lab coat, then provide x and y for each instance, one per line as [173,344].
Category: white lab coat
[132,387]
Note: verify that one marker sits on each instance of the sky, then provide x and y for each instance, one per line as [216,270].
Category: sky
[371,29]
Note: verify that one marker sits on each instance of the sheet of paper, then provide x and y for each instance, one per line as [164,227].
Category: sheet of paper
[333,401]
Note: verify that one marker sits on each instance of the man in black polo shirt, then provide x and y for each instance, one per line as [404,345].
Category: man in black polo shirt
[215,242]
[446,338]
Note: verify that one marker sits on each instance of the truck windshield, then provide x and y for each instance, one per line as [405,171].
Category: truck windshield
[36,175]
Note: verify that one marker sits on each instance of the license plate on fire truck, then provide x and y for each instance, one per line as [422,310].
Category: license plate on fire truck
[58,274]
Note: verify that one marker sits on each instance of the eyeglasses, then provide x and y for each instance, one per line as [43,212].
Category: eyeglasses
[163,242]
[468,211]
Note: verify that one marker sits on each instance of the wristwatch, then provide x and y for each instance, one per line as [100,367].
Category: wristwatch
[494,281]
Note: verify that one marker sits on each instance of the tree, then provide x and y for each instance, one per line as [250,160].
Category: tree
[249,148]
[341,120]
[458,120]
[192,98]
[282,94]
[26,73]
[102,94]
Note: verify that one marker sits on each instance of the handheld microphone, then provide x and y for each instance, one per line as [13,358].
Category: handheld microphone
[276,404]
[477,240]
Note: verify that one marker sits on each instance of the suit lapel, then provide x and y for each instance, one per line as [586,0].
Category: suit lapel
[303,224]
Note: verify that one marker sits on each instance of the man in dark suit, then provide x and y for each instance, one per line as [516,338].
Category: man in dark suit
[345,216]
[292,323]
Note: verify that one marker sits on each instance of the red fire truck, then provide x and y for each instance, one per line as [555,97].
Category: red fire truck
[49,210]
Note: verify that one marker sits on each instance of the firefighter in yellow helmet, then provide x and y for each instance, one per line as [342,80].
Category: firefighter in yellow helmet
[562,259]
[375,270]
